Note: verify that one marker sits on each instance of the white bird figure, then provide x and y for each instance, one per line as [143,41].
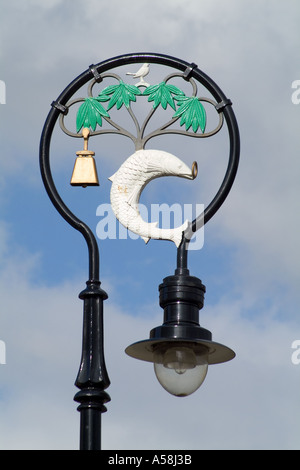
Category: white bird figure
[141,73]
[130,180]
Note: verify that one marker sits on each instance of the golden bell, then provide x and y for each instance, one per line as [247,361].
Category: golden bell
[85,171]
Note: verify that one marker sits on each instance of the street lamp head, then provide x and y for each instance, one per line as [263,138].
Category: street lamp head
[180,348]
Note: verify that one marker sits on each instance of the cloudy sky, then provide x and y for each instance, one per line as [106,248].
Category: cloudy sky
[249,261]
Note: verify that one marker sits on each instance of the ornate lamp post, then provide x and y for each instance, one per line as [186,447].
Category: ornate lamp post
[180,348]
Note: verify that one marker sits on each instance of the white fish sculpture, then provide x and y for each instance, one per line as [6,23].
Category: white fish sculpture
[130,180]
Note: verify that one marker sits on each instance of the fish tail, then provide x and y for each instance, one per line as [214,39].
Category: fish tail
[150,228]
[178,233]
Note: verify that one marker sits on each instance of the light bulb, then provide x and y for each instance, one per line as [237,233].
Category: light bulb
[180,367]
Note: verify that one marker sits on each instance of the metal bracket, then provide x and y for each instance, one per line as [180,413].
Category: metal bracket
[189,70]
[220,106]
[63,109]
[95,73]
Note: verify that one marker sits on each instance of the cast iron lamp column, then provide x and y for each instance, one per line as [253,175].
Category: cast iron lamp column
[181,295]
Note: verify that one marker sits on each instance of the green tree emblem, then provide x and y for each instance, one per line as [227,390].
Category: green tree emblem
[188,117]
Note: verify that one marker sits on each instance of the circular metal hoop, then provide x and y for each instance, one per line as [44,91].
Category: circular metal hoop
[95,71]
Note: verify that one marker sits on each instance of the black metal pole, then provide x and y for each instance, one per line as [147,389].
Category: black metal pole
[92,377]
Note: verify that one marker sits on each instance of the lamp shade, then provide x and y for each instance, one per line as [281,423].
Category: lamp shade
[180,347]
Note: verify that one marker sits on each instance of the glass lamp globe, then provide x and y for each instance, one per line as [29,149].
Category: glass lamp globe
[180,368]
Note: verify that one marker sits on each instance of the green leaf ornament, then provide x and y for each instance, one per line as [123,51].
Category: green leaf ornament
[162,94]
[121,94]
[90,114]
[192,113]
